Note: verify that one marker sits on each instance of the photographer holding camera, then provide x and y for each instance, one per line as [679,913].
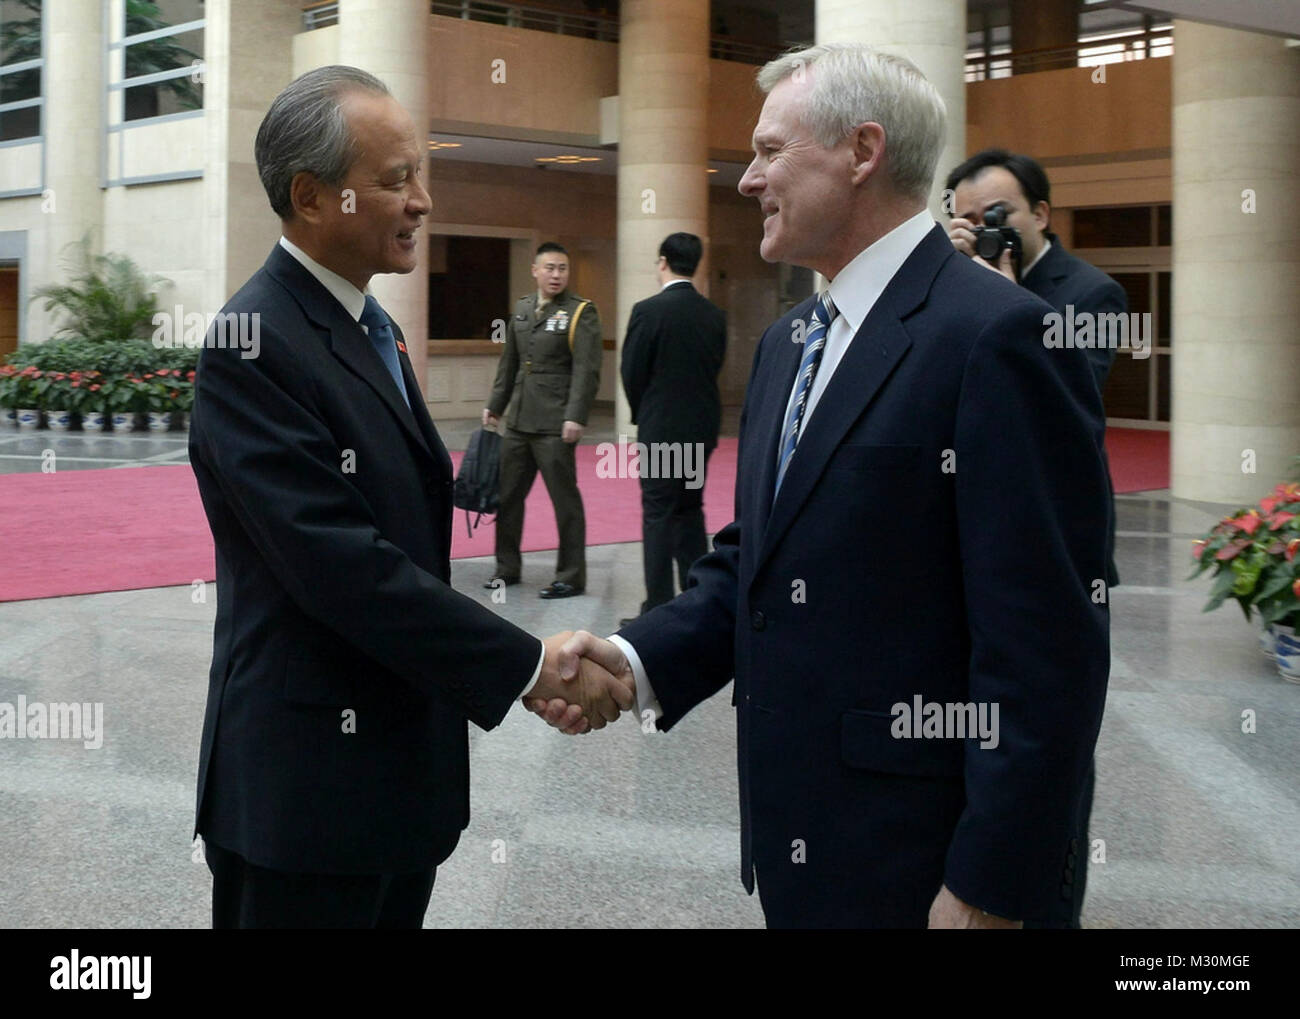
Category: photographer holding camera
[999,203]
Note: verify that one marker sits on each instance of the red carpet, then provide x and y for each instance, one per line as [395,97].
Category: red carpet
[81,532]
[1139,459]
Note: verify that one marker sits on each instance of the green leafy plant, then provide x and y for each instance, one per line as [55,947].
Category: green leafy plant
[20,41]
[163,54]
[108,297]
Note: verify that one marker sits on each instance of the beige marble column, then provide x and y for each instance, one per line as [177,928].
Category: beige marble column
[248,60]
[663,151]
[1236,304]
[72,204]
[390,39]
[929,33]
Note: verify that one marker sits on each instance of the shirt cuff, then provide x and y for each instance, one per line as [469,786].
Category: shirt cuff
[646,701]
[537,674]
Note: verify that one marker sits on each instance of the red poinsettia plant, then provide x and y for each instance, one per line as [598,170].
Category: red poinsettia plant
[1255,556]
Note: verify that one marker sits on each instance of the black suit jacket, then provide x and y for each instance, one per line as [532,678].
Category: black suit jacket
[344,667]
[937,534]
[672,353]
[1060,278]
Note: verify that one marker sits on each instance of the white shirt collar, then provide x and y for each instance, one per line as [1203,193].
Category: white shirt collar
[860,283]
[352,299]
[673,282]
[1037,258]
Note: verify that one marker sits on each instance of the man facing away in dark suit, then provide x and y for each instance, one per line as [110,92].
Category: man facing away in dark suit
[904,596]
[672,353]
[1072,287]
[334,766]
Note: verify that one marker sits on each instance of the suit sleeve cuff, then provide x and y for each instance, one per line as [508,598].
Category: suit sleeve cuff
[645,693]
[537,673]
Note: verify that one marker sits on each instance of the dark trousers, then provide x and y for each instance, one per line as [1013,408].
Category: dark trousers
[672,531]
[523,454]
[247,896]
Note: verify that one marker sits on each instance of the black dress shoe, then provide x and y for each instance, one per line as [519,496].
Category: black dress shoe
[496,582]
[559,589]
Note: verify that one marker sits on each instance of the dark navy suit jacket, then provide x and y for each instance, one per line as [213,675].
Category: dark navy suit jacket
[672,352]
[940,532]
[330,507]
[1060,278]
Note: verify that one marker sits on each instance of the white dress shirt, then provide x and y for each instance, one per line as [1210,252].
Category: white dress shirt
[1037,258]
[354,303]
[854,291]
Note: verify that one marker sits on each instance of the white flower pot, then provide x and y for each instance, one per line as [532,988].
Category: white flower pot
[10,416]
[58,420]
[92,420]
[1288,666]
[123,421]
[1285,641]
[29,418]
[160,420]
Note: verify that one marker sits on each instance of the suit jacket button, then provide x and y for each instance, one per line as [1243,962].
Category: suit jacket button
[758,620]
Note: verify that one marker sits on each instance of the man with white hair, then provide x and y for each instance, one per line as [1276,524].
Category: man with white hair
[906,597]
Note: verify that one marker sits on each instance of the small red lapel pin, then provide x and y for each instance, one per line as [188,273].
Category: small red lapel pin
[401,346]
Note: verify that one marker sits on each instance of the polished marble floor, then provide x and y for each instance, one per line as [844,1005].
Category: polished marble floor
[1198,818]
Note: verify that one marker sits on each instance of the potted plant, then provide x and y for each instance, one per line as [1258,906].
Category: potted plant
[158,399]
[185,397]
[56,401]
[107,298]
[125,399]
[9,393]
[88,398]
[1253,555]
[29,391]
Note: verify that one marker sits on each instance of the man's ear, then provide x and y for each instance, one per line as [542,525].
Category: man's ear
[306,194]
[868,150]
[1042,213]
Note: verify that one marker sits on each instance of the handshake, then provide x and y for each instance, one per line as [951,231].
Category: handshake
[585,683]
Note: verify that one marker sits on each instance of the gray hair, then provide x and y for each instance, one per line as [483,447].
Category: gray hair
[305,130]
[856,84]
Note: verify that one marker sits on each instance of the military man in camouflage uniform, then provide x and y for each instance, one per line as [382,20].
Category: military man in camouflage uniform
[546,381]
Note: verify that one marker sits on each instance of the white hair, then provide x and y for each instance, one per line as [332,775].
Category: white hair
[855,84]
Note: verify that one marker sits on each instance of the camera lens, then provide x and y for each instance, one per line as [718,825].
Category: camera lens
[988,245]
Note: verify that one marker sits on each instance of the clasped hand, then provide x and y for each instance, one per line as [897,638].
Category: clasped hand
[585,683]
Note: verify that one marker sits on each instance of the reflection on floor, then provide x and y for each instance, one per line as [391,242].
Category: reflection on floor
[1198,819]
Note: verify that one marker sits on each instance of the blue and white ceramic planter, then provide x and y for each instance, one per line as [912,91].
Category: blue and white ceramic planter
[28,418]
[92,420]
[58,420]
[160,420]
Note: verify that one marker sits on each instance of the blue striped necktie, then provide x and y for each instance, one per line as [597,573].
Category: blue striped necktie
[824,312]
[380,328]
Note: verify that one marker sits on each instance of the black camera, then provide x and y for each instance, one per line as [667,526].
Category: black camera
[994,237]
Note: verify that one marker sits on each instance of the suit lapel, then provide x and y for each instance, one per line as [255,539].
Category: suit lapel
[785,364]
[1045,278]
[877,347]
[348,341]
[880,343]
[433,441]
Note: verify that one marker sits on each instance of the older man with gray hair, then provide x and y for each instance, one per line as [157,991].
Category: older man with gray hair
[334,767]
[908,596]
